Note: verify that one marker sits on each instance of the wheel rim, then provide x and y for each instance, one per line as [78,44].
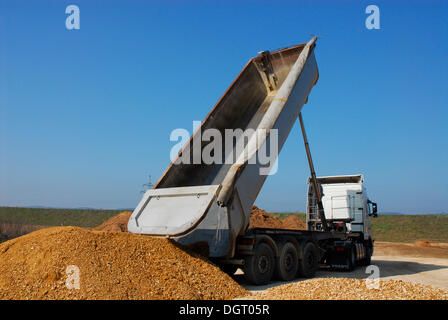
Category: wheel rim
[289,261]
[263,264]
[309,259]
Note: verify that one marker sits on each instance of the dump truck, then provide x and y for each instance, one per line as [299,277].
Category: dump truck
[206,205]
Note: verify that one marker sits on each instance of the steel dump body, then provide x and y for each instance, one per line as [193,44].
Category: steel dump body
[208,205]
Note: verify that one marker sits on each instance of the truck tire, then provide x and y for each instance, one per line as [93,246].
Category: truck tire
[287,263]
[368,259]
[259,267]
[351,259]
[309,263]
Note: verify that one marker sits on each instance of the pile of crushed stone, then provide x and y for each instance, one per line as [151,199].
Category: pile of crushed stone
[261,219]
[118,223]
[293,222]
[111,265]
[350,289]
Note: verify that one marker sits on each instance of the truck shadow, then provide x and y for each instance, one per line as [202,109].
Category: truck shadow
[387,269]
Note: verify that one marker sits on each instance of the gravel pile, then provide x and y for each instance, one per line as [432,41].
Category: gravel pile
[261,219]
[293,222]
[112,265]
[118,223]
[350,289]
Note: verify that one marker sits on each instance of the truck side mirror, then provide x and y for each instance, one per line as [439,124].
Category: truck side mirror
[374,208]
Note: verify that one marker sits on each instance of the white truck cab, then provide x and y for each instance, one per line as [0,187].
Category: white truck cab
[345,203]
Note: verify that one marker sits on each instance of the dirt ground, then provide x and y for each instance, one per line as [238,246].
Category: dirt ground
[416,250]
[399,261]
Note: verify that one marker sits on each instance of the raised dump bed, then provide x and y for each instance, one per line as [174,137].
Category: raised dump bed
[208,204]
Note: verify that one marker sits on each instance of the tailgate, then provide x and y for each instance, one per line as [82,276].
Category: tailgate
[172,211]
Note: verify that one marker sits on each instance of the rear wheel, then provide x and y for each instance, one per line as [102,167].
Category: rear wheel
[259,267]
[368,258]
[351,260]
[310,261]
[287,263]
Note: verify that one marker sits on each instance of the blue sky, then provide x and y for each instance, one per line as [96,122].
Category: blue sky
[86,115]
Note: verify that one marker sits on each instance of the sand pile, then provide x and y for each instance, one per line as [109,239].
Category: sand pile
[351,289]
[112,265]
[118,223]
[261,219]
[293,222]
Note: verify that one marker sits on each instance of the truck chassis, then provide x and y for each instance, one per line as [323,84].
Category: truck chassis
[265,254]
